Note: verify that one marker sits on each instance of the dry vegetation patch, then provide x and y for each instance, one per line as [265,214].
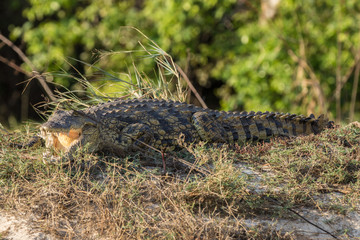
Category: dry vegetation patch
[208,192]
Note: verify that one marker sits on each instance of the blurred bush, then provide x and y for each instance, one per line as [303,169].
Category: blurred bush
[301,58]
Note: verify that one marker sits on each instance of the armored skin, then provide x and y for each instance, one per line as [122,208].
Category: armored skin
[124,126]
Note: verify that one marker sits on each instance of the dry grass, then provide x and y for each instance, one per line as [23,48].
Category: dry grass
[104,197]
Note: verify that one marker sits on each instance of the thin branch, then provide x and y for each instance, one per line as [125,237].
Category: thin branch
[347,76]
[34,73]
[183,74]
[17,50]
[338,80]
[191,86]
[14,66]
[354,92]
[313,77]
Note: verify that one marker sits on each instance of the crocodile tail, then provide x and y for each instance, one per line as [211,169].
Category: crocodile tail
[308,125]
[319,124]
[262,126]
[295,125]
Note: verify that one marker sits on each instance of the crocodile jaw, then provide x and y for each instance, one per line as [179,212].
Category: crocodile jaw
[60,140]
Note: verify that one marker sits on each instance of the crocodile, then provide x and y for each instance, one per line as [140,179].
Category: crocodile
[124,126]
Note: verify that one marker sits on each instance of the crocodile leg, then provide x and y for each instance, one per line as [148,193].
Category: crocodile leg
[137,136]
[134,136]
[210,130]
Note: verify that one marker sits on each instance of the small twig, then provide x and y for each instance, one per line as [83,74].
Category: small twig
[14,66]
[338,78]
[354,92]
[191,86]
[34,73]
[163,155]
[17,50]
[315,81]
[3,129]
[192,166]
[183,74]
[299,215]
[348,74]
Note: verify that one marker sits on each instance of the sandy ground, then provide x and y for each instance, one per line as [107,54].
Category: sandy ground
[333,223]
[17,228]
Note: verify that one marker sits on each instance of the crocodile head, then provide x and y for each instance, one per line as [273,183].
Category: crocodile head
[64,129]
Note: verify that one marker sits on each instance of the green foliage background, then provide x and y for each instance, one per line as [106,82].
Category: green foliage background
[216,41]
